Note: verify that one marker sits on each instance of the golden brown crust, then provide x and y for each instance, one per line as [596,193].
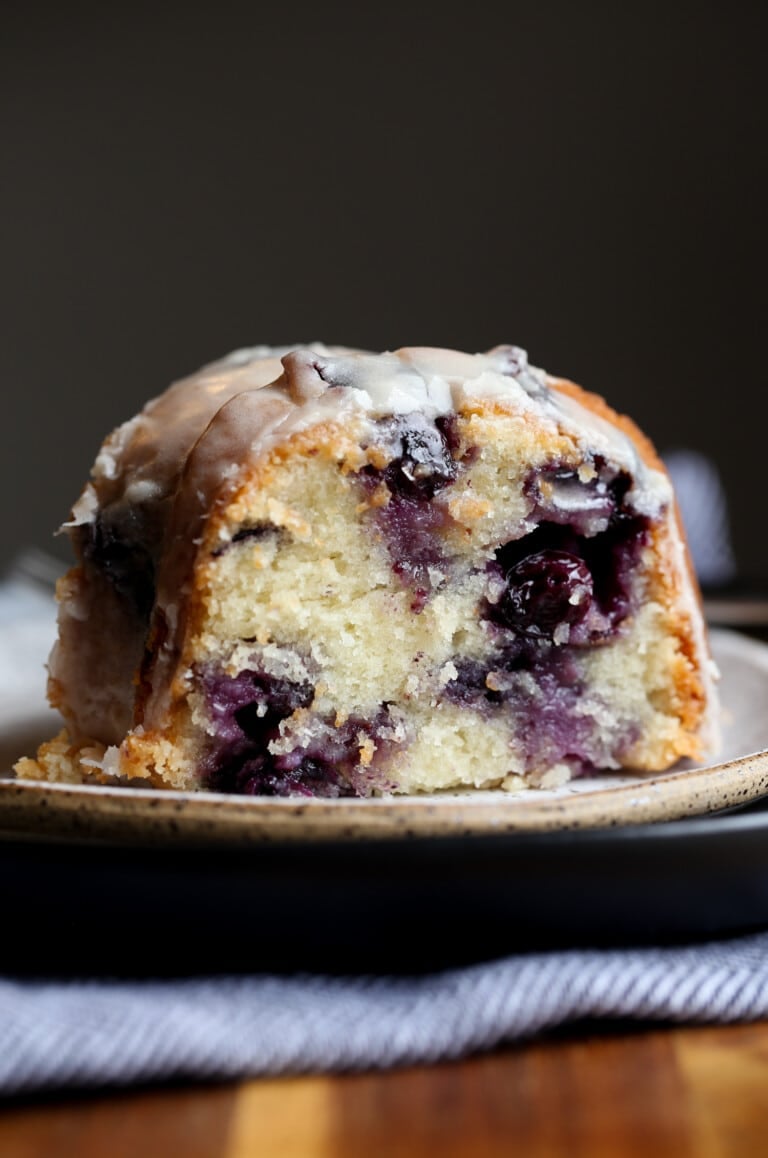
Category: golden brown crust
[598,406]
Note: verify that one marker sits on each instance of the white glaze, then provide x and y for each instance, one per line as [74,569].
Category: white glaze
[144,460]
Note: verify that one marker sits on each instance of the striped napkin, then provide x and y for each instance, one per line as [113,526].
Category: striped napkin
[101,1033]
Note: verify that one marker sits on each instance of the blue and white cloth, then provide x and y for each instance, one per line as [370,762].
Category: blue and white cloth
[98,1033]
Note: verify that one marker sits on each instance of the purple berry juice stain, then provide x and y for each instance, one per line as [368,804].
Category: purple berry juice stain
[246,712]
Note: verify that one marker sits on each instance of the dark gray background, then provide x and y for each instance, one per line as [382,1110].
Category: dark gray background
[587,180]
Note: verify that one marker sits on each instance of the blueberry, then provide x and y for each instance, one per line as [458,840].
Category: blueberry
[246,711]
[114,545]
[424,465]
[261,777]
[544,591]
[421,463]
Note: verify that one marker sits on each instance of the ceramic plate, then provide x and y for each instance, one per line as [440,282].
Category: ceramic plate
[120,814]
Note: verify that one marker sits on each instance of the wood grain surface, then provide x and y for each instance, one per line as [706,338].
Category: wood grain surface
[690,1092]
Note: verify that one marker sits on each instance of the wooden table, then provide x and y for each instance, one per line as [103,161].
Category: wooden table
[689,1092]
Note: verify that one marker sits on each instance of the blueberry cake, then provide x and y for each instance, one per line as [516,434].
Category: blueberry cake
[324,572]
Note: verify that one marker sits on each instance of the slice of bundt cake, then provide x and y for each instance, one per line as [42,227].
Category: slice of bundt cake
[333,573]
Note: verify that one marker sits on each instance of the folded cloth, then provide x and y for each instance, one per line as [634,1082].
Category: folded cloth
[108,1033]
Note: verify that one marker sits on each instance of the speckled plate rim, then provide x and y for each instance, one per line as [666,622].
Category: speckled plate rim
[165,817]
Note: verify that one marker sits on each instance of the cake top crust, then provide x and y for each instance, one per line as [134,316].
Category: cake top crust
[204,428]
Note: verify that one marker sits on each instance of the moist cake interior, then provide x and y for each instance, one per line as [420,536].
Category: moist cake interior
[446,600]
